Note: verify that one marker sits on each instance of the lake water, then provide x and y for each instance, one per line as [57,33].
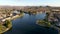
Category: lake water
[27,25]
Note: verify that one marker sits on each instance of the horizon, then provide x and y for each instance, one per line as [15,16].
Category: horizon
[55,3]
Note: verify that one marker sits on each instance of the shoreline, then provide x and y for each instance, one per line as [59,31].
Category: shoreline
[11,18]
[9,27]
[51,26]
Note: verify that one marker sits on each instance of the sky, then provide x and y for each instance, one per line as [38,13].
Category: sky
[30,2]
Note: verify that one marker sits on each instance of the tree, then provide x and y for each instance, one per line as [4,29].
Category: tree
[7,22]
[47,14]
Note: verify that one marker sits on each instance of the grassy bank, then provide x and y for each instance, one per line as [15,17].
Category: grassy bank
[17,16]
[5,27]
[43,23]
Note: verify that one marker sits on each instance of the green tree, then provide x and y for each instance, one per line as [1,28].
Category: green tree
[7,22]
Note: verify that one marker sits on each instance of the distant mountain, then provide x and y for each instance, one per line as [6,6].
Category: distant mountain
[29,8]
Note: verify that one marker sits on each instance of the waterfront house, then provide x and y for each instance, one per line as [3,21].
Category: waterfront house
[58,24]
[53,20]
[55,11]
[15,12]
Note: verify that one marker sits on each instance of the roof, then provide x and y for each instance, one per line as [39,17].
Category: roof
[16,12]
[55,10]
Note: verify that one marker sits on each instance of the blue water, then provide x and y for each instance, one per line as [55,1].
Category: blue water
[27,25]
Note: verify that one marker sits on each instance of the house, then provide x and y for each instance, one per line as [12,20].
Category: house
[15,12]
[1,17]
[4,15]
[55,11]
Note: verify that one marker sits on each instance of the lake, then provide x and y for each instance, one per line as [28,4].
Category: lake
[27,25]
